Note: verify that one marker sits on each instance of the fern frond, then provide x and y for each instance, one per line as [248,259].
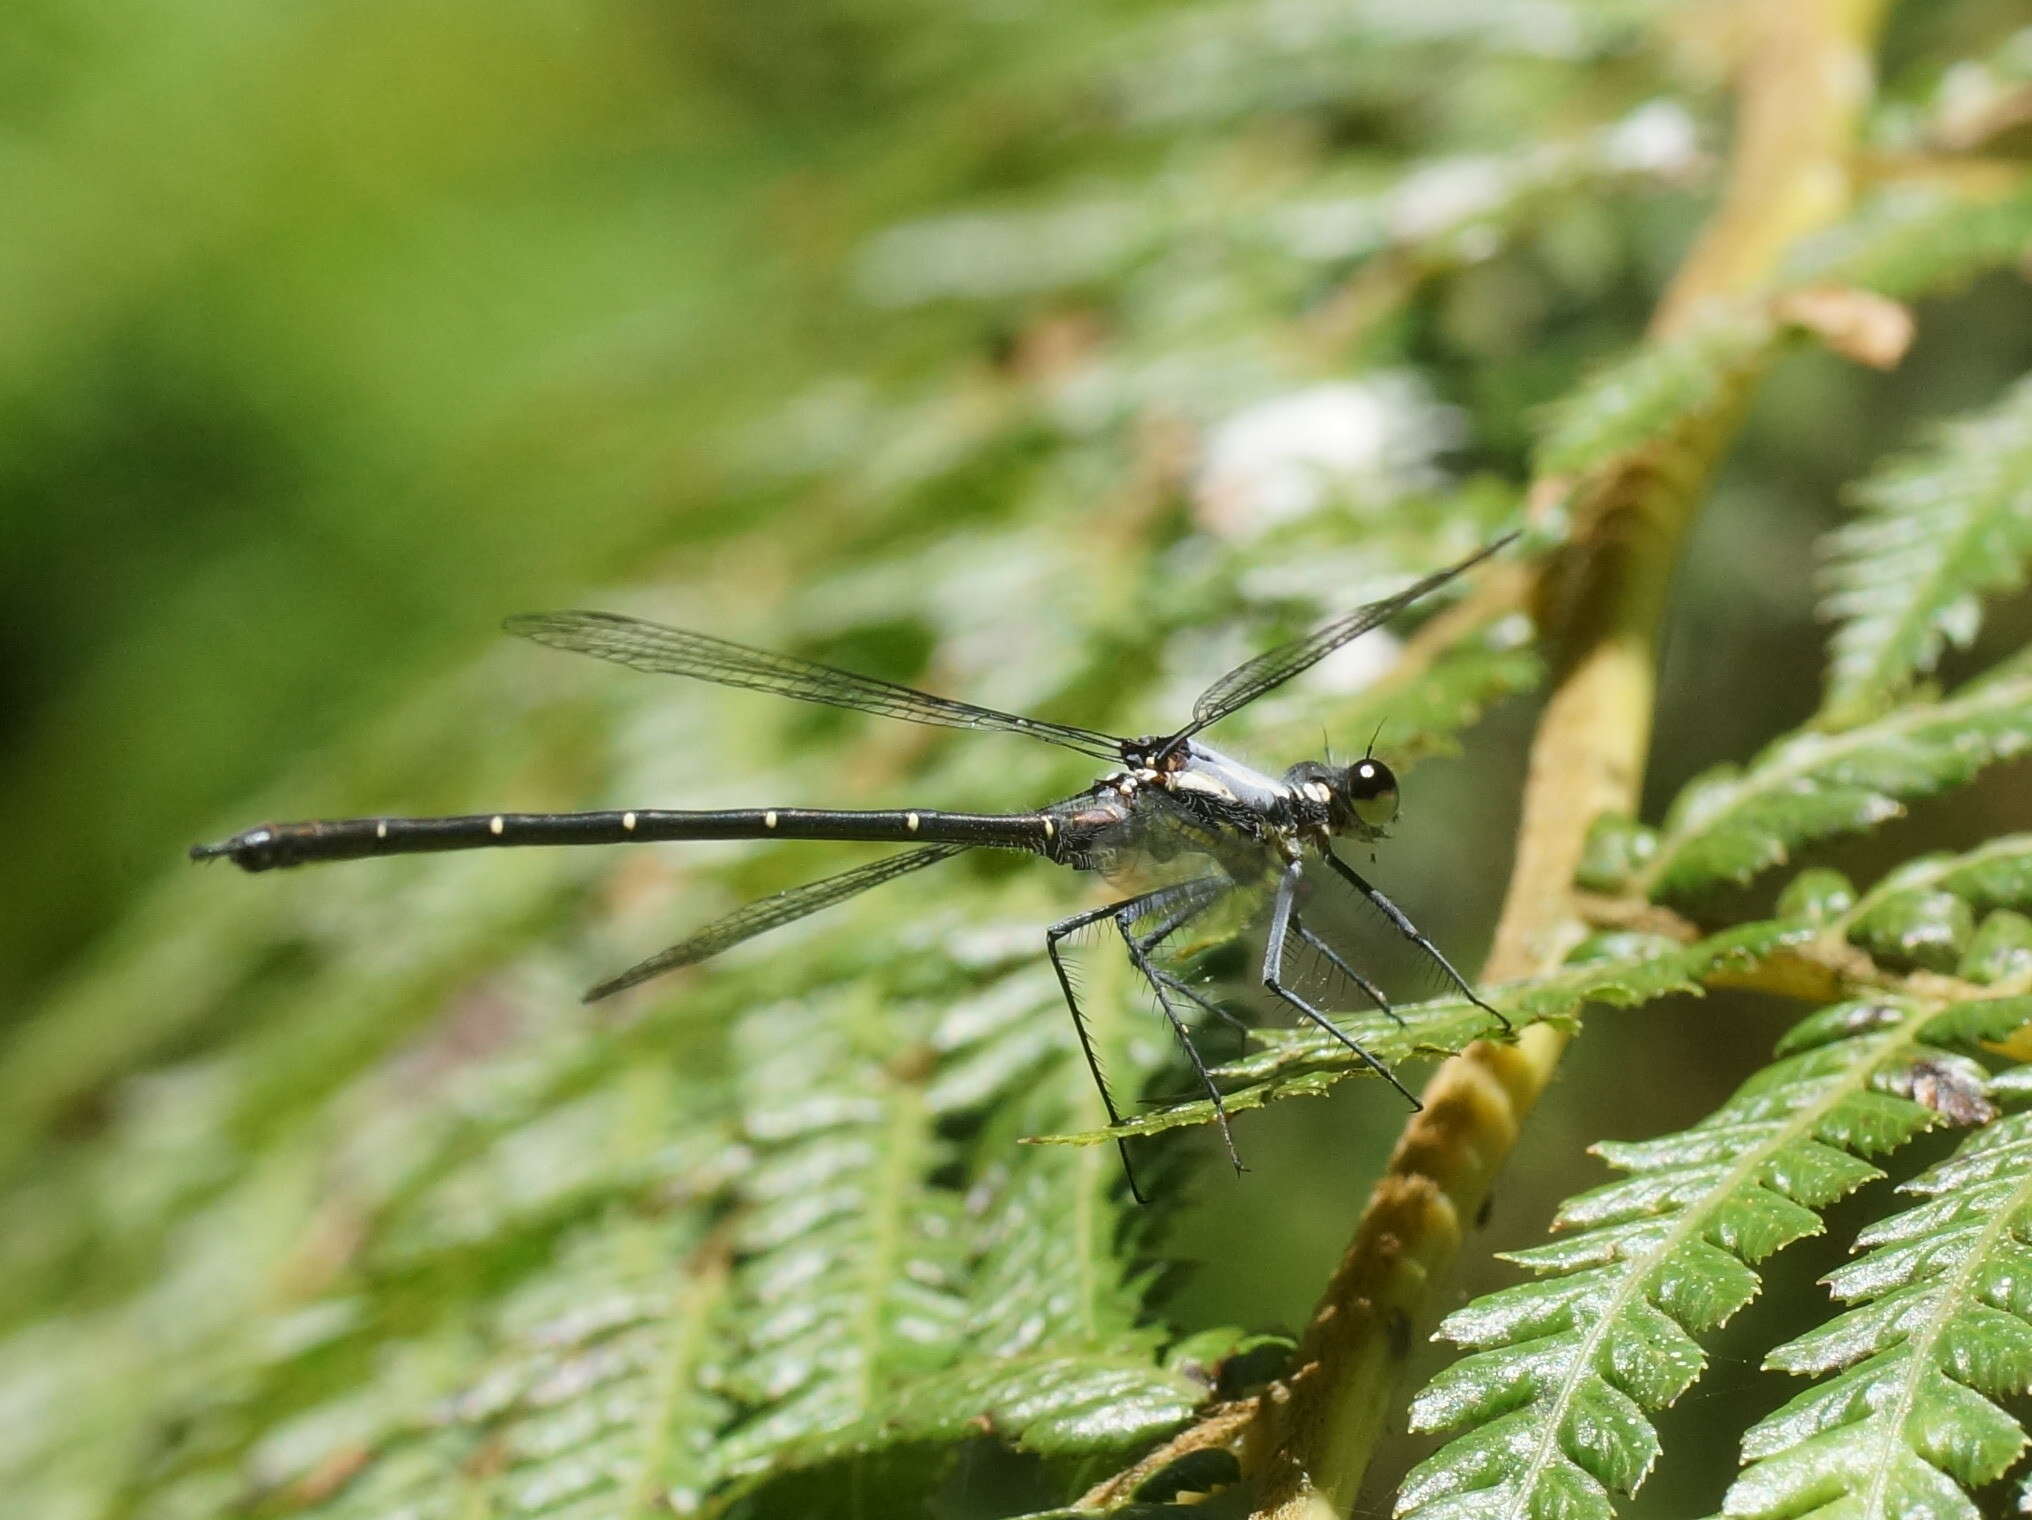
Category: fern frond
[1936,533]
[839,1209]
[1729,823]
[1908,1421]
[1564,1371]
[529,1313]
[1912,241]
[1647,394]
[874,1308]
[863,1303]
[1212,63]
[1640,400]
[1999,952]
[596,1399]
[1924,912]
[1306,1062]
[1440,212]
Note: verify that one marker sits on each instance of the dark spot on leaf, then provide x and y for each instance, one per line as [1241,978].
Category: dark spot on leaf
[486,1459]
[913,1064]
[1955,1092]
[85,1115]
[1397,1328]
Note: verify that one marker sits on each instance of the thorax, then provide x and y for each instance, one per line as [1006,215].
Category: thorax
[1194,802]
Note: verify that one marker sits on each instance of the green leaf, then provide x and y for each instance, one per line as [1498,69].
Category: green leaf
[1950,913]
[1566,1368]
[566,1277]
[1820,894]
[1994,875]
[858,1309]
[1656,389]
[1728,824]
[1936,532]
[1929,929]
[521,1320]
[1999,951]
[324,1197]
[873,1309]
[1909,1423]
[1910,240]
[1305,1062]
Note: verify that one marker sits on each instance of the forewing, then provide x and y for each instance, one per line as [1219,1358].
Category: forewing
[679,652]
[1251,679]
[768,913]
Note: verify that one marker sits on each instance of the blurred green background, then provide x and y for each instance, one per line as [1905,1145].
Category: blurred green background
[333,334]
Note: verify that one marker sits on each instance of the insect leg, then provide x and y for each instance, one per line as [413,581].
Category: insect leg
[1052,936]
[1368,987]
[1203,894]
[1186,990]
[1198,895]
[1273,979]
[1137,956]
[1412,932]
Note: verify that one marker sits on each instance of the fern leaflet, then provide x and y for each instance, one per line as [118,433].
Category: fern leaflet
[1911,241]
[1306,1062]
[1730,823]
[1941,1329]
[879,1309]
[1937,532]
[1654,390]
[1564,1370]
[1924,912]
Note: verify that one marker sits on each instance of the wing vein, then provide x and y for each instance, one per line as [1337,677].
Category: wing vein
[1272,668]
[767,913]
[662,650]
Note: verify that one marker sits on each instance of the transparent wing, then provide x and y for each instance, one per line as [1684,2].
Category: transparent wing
[678,652]
[768,913]
[1251,679]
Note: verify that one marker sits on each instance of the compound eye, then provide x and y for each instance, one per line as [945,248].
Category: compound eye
[1372,792]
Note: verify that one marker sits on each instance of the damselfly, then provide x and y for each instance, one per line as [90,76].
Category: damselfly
[1191,829]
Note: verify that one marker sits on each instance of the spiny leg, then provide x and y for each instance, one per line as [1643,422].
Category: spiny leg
[1206,891]
[1124,920]
[1052,936]
[1186,990]
[1412,932]
[1171,925]
[1368,987]
[1273,979]
[1197,894]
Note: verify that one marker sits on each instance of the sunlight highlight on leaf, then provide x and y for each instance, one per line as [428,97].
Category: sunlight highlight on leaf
[1937,532]
[1730,823]
[1563,1371]
[1911,1419]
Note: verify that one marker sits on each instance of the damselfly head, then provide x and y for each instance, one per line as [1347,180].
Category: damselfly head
[1361,799]
[1371,787]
